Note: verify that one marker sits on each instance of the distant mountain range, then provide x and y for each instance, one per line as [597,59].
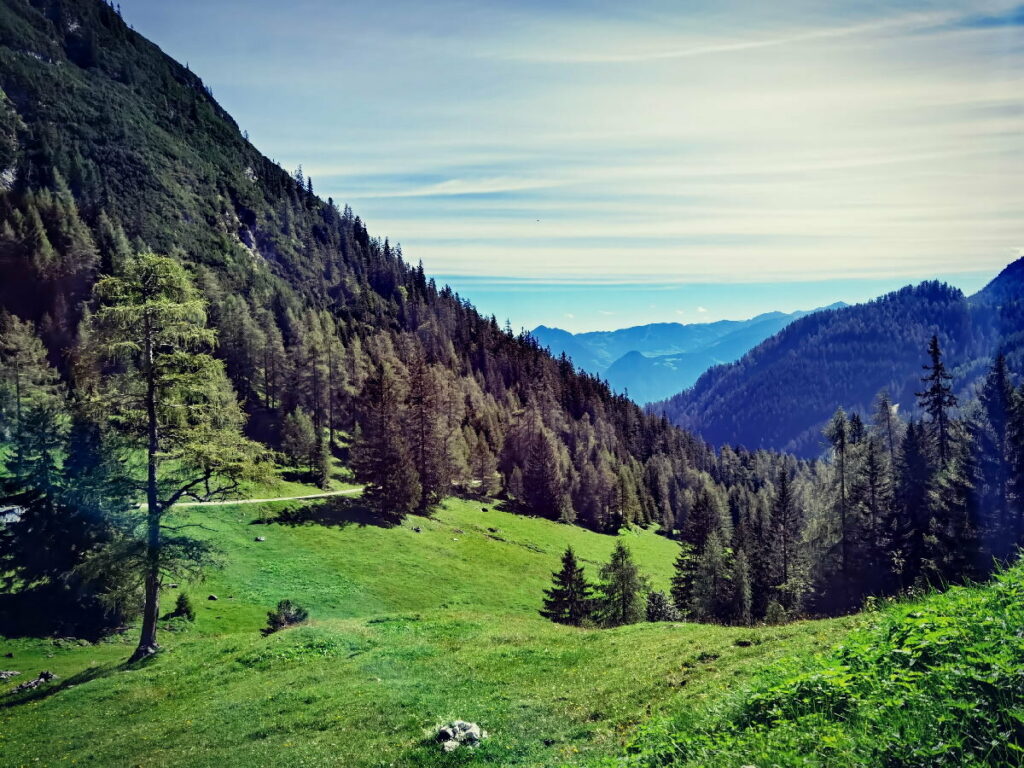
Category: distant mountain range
[780,393]
[652,362]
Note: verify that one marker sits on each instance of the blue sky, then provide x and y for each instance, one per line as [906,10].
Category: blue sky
[601,164]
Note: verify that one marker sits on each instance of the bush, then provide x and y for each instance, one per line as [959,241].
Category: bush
[286,614]
[182,609]
[775,614]
[660,608]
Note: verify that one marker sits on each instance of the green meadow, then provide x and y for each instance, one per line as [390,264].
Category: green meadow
[410,626]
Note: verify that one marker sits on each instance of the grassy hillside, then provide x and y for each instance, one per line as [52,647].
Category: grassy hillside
[935,682]
[408,629]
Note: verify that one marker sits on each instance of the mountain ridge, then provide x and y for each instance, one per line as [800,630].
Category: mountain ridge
[844,357]
[672,355]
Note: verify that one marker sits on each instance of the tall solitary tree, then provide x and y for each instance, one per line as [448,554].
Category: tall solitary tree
[171,400]
[569,600]
[937,400]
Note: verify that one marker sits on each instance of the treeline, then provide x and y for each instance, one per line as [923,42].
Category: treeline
[896,506]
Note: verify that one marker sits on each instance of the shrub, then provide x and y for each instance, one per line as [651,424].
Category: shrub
[660,608]
[183,608]
[286,614]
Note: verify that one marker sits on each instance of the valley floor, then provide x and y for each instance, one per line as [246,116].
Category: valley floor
[410,626]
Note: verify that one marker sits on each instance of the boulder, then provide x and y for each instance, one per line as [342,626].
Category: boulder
[460,733]
[7,674]
[212,597]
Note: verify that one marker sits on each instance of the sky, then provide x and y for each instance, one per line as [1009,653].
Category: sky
[593,165]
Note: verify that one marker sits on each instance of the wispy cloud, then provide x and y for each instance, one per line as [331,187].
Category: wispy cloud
[597,142]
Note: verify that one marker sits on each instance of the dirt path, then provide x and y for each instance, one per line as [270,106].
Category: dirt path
[346,492]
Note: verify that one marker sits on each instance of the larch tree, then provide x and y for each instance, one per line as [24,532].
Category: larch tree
[380,452]
[426,433]
[170,400]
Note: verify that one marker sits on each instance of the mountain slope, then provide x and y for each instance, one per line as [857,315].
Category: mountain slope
[780,393]
[448,630]
[652,362]
[931,682]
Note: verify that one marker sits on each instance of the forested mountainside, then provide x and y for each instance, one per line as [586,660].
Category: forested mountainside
[780,394]
[110,148]
[652,362]
[336,349]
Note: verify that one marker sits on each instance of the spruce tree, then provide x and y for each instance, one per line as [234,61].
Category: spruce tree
[993,433]
[622,589]
[909,519]
[569,600]
[837,433]
[542,479]
[298,440]
[683,574]
[937,400]
[786,527]
[426,434]
[712,591]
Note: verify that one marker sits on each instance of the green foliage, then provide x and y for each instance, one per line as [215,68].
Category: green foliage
[932,683]
[569,600]
[448,629]
[380,451]
[183,608]
[298,438]
[169,398]
[285,615]
[660,608]
[621,590]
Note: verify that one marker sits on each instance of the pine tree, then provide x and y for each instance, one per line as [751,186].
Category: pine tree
[909,519]
[887,426]
[950,545]
[569,600]
[380,454]
[298,440]
[622,588]
[837,433]
[542,479]
[937,400]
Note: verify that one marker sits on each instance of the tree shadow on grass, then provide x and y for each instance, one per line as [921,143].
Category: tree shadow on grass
[10,699]
[335,512]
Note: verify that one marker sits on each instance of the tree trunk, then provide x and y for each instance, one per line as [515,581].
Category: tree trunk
[151,609]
